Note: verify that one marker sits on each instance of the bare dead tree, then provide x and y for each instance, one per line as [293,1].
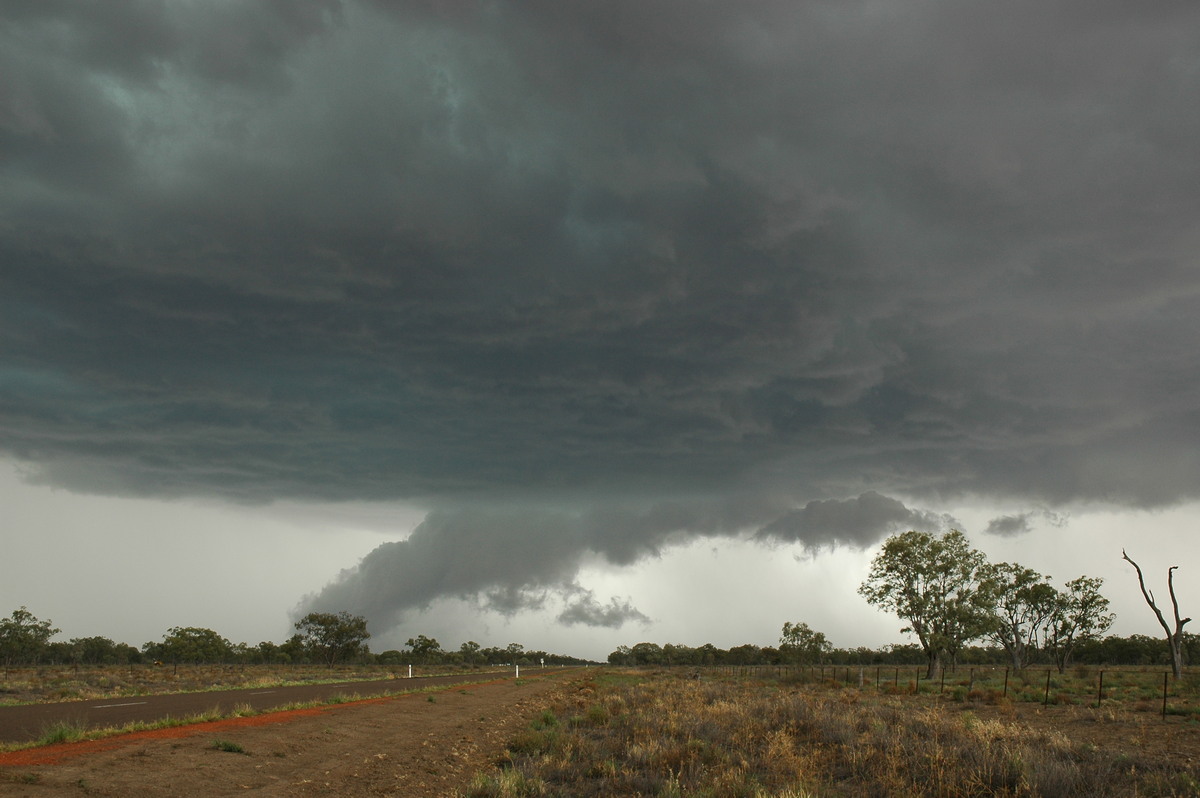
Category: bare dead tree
[1174,638]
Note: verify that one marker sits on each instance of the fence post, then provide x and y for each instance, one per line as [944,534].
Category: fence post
[1100,692]
[1164,713]
[1006,682]
[1046,697]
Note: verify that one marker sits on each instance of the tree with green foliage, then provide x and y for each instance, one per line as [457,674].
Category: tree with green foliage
[1080,614]
[936,584]
[471,653]
[23,637]
[190,644]
[424,650]
[333,636]
[1023,602]
[800,644]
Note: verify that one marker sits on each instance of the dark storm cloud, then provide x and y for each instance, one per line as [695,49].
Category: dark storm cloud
[1009,525]
[1022,523]
[584,256]
[857,522]
[522,558]
[584,609]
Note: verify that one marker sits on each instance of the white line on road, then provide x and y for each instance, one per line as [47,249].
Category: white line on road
[130,704]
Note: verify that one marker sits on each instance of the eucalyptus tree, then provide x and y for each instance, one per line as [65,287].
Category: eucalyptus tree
[190,644]
[333,636]
[801,644]
[424,650]
[1023,602]
[23,637]
[938,585]
[1080,614]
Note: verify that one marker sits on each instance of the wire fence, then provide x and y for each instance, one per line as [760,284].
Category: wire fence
[1075,685]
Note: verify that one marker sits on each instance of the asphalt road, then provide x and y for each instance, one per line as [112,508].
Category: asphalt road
[28,722]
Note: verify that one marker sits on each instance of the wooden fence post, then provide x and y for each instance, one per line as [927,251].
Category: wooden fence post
[1164,711]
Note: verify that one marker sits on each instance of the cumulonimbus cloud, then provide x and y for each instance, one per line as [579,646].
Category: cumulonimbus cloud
[556,270]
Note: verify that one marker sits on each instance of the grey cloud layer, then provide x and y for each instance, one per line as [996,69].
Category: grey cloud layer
[519,558]
[584,254]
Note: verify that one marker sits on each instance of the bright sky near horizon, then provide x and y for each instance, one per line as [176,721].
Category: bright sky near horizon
[578,325]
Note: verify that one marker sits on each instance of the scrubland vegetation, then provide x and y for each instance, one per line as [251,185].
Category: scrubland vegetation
[661,734]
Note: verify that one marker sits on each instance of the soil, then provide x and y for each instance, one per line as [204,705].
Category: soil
[412,745]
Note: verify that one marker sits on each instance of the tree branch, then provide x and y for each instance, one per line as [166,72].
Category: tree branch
[1146,594]
[1174,602]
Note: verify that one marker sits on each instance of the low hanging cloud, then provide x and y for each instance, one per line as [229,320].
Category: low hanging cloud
[584,609]
[1023,523]
[858,522]
[1009,525]
[525,559]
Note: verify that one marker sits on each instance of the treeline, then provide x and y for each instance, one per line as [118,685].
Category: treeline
[1111,650]
[26,640]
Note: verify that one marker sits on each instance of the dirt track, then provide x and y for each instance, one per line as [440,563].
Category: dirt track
[405,745]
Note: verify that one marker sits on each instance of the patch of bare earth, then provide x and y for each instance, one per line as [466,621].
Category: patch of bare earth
[414,745]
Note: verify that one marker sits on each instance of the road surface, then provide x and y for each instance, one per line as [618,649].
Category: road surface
[29,722]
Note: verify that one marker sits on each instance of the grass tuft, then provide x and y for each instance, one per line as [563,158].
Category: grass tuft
[63,731]
[228,746]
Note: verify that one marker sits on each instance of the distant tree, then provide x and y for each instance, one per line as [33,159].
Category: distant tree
[390,657]
[675,654]
[1080,614]
[470,652]
[333,636]
[424,650]
[190,644]
[268,652]
[745,654]
[97,651]
[622,655]
[293,650]
[23,637]
[1174,637]
[936,584]
[800,644]
[646,654]
[708,654]
[1023,602]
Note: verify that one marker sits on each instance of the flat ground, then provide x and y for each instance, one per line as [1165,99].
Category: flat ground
[407,745]
[1139,731]
[413,746]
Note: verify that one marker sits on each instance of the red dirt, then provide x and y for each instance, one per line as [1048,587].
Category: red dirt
[413,745]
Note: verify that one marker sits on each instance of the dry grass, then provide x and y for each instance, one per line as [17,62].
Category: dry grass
[661,735]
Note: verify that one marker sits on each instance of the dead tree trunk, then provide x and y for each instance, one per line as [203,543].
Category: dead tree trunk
[1174,638]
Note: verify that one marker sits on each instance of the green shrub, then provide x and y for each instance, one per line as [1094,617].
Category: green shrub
[228,746]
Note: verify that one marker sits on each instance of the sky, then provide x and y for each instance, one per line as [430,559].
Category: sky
[585,324]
